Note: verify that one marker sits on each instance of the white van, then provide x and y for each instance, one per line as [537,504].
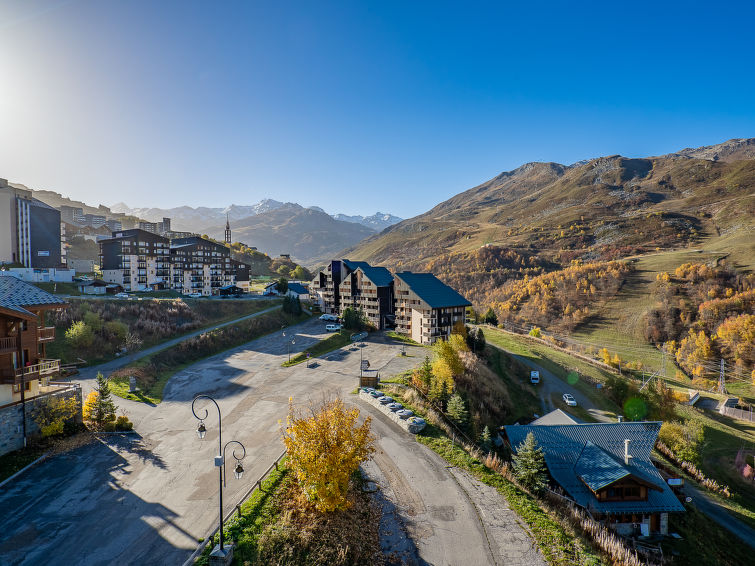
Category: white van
[534,376]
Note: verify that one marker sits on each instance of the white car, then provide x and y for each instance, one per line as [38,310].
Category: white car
[121,295]
[195,295]
[330,317]
[332,327]
[569,400]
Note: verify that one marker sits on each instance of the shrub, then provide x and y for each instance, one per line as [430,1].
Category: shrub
[52,415]
[683,439]
[80,336]
[89,404]
[122,423]
[325,449]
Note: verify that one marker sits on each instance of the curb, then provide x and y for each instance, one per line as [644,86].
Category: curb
[22,470]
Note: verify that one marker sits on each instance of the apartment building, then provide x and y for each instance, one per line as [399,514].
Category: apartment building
[201,266]
[418,304]
[367,288]
[31,232]
[136,259]
[426,308]
[156,227]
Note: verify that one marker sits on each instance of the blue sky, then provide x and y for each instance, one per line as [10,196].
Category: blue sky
[354,106]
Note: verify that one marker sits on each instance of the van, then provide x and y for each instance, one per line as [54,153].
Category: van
[534,376]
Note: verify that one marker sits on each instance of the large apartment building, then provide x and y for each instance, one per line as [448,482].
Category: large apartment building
[200,266]
[136,259]
[140,260]
[417,304]
[31,232]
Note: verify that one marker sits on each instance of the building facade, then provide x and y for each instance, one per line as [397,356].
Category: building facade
[136,259]
[30,231]
[417,304]
[201,266]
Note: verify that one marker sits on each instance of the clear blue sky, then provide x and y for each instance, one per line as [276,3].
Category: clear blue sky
[354,106]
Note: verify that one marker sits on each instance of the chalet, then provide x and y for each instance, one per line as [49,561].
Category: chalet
[298,290]
[25,370]
[606,469]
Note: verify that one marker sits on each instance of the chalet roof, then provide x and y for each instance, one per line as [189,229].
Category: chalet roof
[556,416]
[18,296]
[432,290]
[590,456]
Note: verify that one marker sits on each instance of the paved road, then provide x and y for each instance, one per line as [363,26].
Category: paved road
[148,499]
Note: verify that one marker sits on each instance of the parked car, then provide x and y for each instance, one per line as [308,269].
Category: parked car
[329,317]
[332,327]
[534,376]
[195,295]
[121,295]
[569,400]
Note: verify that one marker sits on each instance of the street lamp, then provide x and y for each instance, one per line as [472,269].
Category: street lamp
[238,471]
[289,344]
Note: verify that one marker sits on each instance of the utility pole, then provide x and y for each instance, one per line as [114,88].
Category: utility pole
[722,379]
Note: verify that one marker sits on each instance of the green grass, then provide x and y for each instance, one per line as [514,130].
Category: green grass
[260,509]
[338,340]
[60,288]
[524,400]
[12,462]
[401,338]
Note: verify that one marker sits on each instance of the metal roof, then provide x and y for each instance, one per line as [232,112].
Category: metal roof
[592,454]
[298,288]
[17,295]
[432,290]
[556,416]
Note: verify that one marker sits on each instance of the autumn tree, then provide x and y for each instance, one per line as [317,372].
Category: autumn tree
[55,415]
[89,404]
[324,449]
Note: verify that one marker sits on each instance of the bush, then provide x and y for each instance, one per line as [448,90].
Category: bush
[122,423]
[683,439]
[109,427]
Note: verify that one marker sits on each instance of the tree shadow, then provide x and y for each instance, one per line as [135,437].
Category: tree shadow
[135,444]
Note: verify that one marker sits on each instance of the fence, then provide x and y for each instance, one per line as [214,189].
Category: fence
[740,414]
[237,508]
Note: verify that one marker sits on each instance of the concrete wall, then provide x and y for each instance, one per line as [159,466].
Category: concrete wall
[11,419]
[8,241]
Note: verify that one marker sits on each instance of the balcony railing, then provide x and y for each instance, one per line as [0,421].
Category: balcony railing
[8,344]
[29,373]
[46,333]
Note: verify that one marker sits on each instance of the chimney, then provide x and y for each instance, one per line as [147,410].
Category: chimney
[627,456]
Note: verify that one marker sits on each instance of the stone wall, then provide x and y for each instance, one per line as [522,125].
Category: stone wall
[11,418]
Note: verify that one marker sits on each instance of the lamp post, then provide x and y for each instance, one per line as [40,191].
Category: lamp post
[238,471]
[289,344]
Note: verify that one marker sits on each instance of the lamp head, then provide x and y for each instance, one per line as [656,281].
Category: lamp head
[201,430]
[239,470]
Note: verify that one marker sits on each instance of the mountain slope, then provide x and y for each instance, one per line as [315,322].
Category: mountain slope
[308,235]
[603,208]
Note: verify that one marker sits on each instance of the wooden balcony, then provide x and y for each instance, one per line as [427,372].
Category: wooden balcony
[8,344]
[46,333]
[29,373]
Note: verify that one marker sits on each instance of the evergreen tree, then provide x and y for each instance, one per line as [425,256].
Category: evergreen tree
[479,341]
[457,410]
[425,374]
[529,464]
[486,440]
[103,409]
[490,317]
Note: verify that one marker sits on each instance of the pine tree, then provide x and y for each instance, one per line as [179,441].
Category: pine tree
[485,439]
[529,464]
[490,317]
[104,409]
[457,410]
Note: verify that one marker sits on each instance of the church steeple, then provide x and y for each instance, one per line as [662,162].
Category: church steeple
[227,230]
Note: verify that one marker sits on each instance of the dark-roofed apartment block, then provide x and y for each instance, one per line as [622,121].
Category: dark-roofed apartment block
[606,468]
[136,259]
[418,304]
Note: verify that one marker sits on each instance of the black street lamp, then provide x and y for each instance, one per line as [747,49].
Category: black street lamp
[238,471]
[289,344]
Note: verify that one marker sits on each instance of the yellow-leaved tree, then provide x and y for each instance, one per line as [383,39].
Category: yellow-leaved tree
[89,404]
[324,449]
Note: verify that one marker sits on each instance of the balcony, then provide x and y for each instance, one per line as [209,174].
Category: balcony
[30,373]
[46,333]
[8,344]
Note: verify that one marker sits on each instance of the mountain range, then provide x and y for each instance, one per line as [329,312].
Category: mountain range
[186,218]
[602,208]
